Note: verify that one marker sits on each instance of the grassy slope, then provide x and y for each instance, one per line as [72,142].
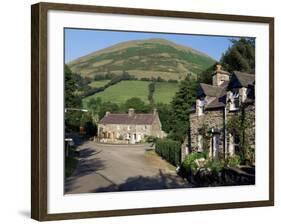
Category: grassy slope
[164,92]
[166,59]
[96,84]
[123,91]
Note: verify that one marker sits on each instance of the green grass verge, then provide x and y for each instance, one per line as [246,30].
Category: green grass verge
[164,92]
[70,165]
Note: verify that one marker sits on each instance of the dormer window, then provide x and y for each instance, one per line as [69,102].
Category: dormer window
[200,105]
[234,100]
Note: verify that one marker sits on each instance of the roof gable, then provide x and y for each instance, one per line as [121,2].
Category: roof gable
[241,79]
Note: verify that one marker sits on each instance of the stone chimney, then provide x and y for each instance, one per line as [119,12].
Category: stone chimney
[220,76]
[131,111]
[218,67]
[154,111]
[107,113]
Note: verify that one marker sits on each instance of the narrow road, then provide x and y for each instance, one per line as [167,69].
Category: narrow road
[107,168]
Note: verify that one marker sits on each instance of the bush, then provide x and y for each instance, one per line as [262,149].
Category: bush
[169,150]
[215,166]
[189,161]
[150,139]
[90,128]
[70,165]
[234,161]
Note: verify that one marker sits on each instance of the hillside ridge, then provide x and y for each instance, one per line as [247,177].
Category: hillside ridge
[143,58]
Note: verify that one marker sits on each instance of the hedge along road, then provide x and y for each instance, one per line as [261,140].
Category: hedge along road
[107,168]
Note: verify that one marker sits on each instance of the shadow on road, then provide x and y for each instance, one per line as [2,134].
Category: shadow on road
[86,166]
[157,182]
[87,152]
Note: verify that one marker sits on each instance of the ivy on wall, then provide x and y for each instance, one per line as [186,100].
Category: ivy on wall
[239,126]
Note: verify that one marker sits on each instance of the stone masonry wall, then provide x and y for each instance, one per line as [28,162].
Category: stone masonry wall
[211,119]
[121,131]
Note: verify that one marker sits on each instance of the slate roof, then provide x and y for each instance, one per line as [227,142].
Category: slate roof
[241,79]
[219,101]
[139,119]
[208,90]
[217,92]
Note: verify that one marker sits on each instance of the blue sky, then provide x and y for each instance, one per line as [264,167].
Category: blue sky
[79,42]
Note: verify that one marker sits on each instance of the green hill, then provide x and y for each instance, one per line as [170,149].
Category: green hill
[143,59]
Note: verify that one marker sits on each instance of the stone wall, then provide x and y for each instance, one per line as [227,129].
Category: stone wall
[210,119]
[123,132]
[156,129]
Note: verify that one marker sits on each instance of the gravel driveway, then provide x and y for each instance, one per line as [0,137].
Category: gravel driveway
[107,168]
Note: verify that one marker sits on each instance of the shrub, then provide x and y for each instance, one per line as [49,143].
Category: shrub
[189,161]
[70,165]
[169,150]
[150,139]
[234,161]
[215,166]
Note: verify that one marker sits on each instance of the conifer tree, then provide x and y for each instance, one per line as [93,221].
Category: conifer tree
[240,56]
[182,105]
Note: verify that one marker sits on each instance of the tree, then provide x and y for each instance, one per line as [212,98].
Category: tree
[181,106]
[151,90]
[72,100]
[108,106]
[87,122]
[94,105]
[137,104]
[70,87]
[240,56]
[165,114]
[207,75]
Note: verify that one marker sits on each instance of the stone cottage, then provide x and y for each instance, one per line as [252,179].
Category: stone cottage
[130,127]
[229,95]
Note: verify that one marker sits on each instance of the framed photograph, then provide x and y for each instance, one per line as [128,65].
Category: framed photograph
[139,111]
